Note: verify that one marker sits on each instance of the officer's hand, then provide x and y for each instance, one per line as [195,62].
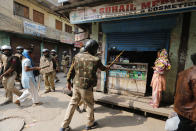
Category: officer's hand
[108,67]
[37,68]
[69,86]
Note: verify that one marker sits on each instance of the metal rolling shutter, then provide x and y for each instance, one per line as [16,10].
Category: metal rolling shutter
[150,41]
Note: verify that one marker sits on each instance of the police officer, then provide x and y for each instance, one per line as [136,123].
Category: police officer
[55,57]
[10,72]
[65,62]
[83,72]
[19,50]
[48,72]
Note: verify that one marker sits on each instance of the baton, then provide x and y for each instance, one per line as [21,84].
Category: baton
[45,66]
[116,58]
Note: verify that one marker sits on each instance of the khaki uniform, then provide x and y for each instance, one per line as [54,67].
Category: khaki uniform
[8,81]
[48,73]
[65,63]
[57,66]
[18,78]
[83,70]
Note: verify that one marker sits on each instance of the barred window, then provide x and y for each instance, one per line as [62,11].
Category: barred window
[68,28]
[21,10]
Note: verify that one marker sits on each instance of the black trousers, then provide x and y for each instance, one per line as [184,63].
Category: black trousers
[185,124]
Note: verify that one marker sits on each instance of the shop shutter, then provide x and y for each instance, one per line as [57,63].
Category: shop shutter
[25,42]
[150,41]
[49,45]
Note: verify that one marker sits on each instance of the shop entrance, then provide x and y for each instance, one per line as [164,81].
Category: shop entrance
[128,57]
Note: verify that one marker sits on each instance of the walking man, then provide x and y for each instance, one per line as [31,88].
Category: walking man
[65,62]
[55,57]
[12,67]
[49,65]
[83,70]
[185,98]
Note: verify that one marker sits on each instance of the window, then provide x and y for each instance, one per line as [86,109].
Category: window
[68,28]
[59,25]
[21,10]
[38,17]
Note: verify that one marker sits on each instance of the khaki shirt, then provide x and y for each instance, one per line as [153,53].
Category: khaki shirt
[44,62]
[83,70]
[65,60]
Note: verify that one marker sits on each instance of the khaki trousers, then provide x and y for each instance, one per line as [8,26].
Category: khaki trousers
[55,77]
[8,84]
[87,97]
[65,69]
[49,81]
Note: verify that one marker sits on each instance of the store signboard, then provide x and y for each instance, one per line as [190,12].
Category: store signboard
[137,8]
[34,29]
[66,39]
[80,44]
[81,36]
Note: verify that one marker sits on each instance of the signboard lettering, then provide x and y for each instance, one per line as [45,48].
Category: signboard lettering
[34,29]
[135,9]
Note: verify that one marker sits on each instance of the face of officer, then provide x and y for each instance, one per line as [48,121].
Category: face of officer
[20,51]
[46,54]
[53,54]
[7,52]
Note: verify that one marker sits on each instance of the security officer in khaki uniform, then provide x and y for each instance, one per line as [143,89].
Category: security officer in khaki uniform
[83,72]
[65,62]
[48,72]
[9,74]
[19,50]
[55,57]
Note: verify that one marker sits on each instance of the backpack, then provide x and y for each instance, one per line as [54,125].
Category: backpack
[17,66]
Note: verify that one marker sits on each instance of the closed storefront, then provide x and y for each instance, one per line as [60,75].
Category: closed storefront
[49,45]
[139,39]
[16,40]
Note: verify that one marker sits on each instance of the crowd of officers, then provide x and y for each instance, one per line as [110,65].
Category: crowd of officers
[10,69]
[81,77]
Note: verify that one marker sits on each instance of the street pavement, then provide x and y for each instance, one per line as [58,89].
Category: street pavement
[49,115]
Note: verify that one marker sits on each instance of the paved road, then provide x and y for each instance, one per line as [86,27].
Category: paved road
[49,115]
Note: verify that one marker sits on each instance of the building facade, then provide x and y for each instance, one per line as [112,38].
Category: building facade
[25,22]
[140,28]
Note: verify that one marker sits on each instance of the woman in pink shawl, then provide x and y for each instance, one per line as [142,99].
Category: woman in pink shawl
[158,82]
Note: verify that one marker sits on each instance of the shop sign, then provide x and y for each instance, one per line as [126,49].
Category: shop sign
[66,39]
[81,36]
[34,29]
[80,44]
[136,8]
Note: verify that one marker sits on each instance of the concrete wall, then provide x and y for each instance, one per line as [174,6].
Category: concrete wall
[168,95]
[4,39]
[13,23]
[192,41]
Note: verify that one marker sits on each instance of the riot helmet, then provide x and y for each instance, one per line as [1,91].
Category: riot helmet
[53,52]
[82,50]
[46,52]
[7,50]
[19,49]
[91,46]
[64,52]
